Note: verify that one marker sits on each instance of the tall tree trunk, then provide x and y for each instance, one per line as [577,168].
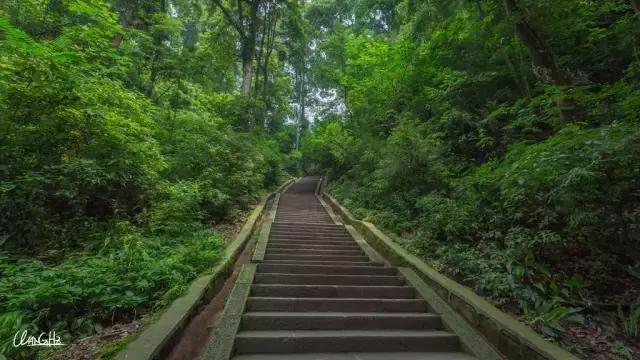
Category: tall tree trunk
[543,57]
[249,48]
[541,53]
[248,52]
[636,4]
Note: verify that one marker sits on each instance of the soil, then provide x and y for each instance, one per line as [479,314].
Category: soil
[87,348]
[608,286]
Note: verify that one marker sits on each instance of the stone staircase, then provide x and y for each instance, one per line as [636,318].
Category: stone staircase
[318,296]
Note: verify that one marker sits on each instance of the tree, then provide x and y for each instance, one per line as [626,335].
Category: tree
[543,57]
[246,22]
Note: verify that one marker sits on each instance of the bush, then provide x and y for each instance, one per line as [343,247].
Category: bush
[131,275]
[73,148]
[503,224]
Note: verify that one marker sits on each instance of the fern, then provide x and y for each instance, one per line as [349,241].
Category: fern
[631,323]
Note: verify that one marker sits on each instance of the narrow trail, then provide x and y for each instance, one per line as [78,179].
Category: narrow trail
[317,295]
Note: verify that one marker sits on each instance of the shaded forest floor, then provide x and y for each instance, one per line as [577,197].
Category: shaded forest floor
[597,334]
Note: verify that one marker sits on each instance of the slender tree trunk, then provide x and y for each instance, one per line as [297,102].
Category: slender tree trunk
[117,39]
[519,82]
[259,57]
[270,35]
[481,11]
[125,18]
[301,103]
[636,4]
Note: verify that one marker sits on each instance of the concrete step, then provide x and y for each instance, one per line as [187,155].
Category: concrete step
[307,233]
[282,251]
[303,226]
[305,268]
[319,246]
[306,219]
[356,258]
[332,291]
[360,356]
[313,210]
[324,279]
[323,262]
[361,258]
[313,243]
[311,237]
[305,341]
[320,232]
[290,304]
[339,321]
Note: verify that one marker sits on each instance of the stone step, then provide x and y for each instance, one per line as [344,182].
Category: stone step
[312,243]
[305,209]
[359,356]
[306,219]
[302,215]
[282,251]
[320,232]
[323,262]
[361,258]
[305,341]
[324,279]
[339,321]
[296,225]
[319,246]
[305,268]
[290,304]
[305,222]
[310,237]
[332,291]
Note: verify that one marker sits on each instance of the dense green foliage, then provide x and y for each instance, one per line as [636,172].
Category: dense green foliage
[498,139]
[123,138]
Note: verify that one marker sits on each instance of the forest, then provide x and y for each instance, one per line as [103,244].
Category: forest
[499,140]
[126,137]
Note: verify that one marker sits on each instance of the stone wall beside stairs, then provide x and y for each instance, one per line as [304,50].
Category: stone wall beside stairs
[513,339]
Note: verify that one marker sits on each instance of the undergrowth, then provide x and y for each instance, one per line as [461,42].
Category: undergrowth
[130,276]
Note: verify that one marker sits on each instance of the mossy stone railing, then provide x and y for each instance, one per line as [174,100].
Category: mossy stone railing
[513,339]
[157,339]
